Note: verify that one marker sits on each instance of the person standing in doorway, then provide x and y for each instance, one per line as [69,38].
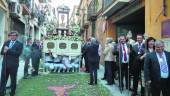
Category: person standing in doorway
[11,51]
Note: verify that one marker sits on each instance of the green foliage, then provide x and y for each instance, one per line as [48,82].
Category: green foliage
[37,86]
[72,38]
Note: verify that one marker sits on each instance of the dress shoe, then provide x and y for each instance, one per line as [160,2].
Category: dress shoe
[12,94]
[134,94]
[103,78]
[26,77]
[2,94]
[109,84]
[90,83]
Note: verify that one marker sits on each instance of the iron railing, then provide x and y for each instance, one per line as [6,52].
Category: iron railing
[92,9]
[107,3]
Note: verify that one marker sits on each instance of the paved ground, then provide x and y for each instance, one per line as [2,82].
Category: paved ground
[114,89]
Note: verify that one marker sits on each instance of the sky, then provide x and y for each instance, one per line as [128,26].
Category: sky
[69,3]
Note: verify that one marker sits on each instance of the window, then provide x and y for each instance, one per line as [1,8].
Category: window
[62,45]
[74,46]
[50,45]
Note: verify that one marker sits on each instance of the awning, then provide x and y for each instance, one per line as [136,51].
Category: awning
[114,7]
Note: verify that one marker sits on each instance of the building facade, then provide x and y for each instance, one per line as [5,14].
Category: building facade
[4,17]
[157,20]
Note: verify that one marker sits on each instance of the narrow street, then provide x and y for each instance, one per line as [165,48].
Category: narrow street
[84,47]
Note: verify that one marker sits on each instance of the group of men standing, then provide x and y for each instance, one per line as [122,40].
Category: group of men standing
[146,62]
[11,51]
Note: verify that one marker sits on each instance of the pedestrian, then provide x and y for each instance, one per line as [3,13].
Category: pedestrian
[150,47]
[109,60]
[100,51]
[11,51]
[93,59]
[123,51]
[27,51]
[84,54]
[138,52]
[157,70]
[35,57]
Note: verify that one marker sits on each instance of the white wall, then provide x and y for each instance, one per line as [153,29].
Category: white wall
[2,27]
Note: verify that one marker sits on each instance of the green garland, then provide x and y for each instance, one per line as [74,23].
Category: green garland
[71,38]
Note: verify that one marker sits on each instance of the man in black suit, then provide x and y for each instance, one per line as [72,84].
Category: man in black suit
[138,52]
[11,51]
[123,51]
[157,70]
[93,59]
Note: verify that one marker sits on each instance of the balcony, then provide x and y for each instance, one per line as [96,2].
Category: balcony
[15,10]
[44,1]
[92,11]
[26,6]
[111,6]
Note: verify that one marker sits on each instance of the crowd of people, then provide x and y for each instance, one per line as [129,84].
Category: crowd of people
[143,61]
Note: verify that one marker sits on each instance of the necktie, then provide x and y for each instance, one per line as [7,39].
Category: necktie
[139,48]
[124,53]
[163,65]
[11,44]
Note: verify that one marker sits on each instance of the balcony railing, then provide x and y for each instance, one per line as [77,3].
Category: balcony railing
[107,3]
[92,9]
[112,6]
[27,4]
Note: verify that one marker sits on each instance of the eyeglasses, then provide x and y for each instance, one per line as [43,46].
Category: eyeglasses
[12,35]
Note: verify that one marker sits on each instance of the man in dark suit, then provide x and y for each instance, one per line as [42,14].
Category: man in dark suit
[157,70]
[84,54]
[35,57]
[123,51]
[11,51]
[93,59]
[138,52]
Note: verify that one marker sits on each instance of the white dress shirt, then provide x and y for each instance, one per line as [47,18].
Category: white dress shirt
[164,71]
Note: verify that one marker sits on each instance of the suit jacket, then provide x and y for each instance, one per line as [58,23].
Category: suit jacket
[108,56]
[152,67]
[92,55]
[116,52]
[135,49]
[137,63]
[11,58]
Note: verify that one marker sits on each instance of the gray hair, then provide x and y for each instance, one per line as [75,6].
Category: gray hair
[109,40]
[159,42]
[93,40]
